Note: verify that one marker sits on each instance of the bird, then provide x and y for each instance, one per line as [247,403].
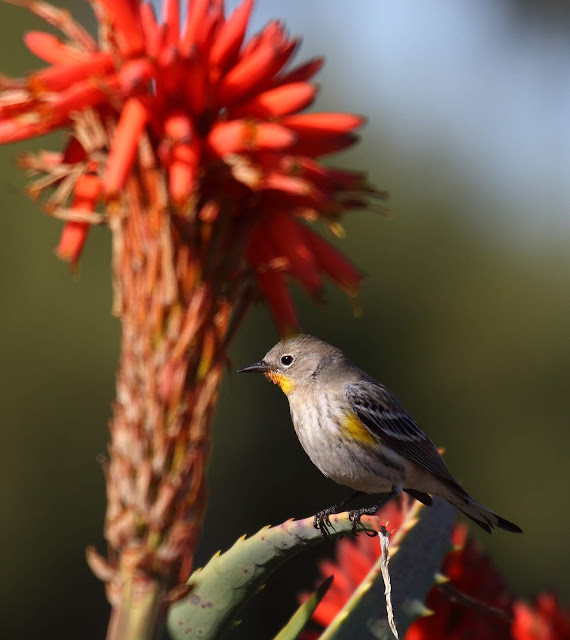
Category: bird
[357,433]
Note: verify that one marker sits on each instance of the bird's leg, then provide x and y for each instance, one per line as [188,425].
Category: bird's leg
[356,514]
[321,519]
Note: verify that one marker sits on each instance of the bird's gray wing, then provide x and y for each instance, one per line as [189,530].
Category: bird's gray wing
[385,418]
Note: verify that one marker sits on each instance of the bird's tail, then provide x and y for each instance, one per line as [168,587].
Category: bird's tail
[481,515]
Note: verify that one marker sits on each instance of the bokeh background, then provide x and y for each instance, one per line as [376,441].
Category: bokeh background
[466,308]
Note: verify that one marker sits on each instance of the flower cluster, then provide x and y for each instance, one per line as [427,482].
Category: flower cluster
[543,619]
[472,603]
[219,116]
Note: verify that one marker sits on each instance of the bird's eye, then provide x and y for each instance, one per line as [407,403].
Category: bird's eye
[287,361]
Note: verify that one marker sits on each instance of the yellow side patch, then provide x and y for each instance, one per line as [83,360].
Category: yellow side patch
[282,380]
[351,427]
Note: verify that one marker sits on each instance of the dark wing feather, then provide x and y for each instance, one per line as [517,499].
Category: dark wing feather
[385,418]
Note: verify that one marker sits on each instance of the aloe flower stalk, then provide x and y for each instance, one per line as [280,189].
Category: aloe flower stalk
[187,143]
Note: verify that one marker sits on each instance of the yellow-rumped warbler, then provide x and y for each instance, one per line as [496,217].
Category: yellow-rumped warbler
[358,434]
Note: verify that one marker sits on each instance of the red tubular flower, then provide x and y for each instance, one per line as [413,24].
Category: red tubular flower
[62,76]
[86,192]
[231,102]
[132,123]
[332,262]
[47,47]
[261,255]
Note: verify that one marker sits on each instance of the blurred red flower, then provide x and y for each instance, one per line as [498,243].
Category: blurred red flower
[542,620]
[222,119]
[472,604]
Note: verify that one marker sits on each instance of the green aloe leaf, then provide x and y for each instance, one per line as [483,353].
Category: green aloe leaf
[417,551]
[301,617]
[230,579]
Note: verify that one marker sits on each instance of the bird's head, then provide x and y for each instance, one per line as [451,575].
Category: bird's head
[294,361]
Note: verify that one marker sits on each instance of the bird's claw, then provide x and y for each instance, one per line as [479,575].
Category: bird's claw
[355,515]
[321,520]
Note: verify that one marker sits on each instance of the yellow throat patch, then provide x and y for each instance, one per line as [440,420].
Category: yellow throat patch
[283,381]
[352,428]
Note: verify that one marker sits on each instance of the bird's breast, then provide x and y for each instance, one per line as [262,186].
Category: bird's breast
[340,446]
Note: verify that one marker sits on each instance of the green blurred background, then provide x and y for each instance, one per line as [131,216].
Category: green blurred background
[466,316]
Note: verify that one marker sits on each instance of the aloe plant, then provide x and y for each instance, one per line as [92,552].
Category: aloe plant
[230,579]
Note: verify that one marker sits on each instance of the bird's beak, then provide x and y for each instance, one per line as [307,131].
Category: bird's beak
[256,367]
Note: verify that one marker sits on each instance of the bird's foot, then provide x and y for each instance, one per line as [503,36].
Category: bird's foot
[355,515]
[321,520]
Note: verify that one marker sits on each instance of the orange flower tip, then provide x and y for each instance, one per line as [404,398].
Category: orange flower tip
[52,158]
[230,37]
[62,76]
[87,190]
[337,230]
[304,72]
[323,123]
[178,126]
[309,214]
[99,565]
[124,149]
[154,34]
[126,26]
[273,136]
[181,185]
[171,18]
[295,186]
[209,212]
[50,49]
[72,240]
[236,136]
[357,309]
[248,73]
[24,160]
[34,192]
[65,256]
[279,101]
